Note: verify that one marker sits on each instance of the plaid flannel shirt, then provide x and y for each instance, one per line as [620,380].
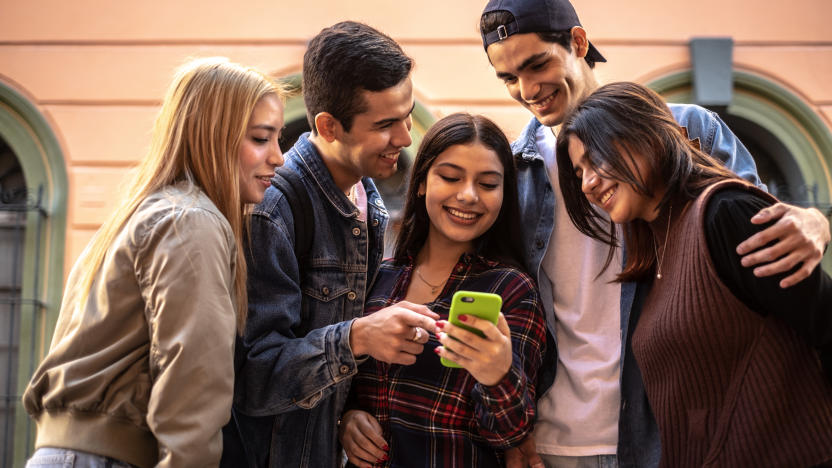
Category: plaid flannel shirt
[435,416]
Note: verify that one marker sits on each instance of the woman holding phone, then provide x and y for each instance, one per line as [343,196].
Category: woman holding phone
[733,365]
[140,371]
[456,235]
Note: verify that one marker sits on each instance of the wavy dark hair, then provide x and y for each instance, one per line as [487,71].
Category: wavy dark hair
[618,123]
[501,241]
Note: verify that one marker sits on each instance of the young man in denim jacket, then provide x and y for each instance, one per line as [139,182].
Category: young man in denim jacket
[305,334]
[596,413]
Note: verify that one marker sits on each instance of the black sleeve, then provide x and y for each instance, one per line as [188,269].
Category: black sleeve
[806,306]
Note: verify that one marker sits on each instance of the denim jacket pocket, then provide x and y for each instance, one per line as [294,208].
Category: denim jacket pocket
[324,291]
[325,286]
[310,402]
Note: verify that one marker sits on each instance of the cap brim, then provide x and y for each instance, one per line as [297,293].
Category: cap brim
[594,55]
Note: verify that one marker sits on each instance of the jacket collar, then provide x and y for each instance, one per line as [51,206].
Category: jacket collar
[525,147]
[306,158]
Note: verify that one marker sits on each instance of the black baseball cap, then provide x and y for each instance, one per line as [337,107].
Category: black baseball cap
[531,16]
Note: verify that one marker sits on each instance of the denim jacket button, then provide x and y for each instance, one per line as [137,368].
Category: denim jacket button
[325,291]
[344,368]
[379,202]
[375,222]
[356,231]
[351,295]
[539,244]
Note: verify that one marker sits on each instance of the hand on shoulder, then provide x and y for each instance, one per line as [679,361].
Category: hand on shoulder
[800,236]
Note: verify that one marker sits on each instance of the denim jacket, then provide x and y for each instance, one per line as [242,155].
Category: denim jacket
[294,363]
[638,443]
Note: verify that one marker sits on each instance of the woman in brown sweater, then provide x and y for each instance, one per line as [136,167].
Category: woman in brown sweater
[733,365]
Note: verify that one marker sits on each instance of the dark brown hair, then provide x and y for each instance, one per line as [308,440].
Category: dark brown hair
[618,123]
[343,60]
[500,242]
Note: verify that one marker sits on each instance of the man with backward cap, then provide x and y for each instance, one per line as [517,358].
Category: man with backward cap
[596,414]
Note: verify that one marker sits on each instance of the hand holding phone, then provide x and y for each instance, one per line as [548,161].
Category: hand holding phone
[478,304]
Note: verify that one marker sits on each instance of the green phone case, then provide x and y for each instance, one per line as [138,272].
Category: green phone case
[479,304]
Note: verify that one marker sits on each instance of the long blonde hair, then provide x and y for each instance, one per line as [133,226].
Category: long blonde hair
[196,138]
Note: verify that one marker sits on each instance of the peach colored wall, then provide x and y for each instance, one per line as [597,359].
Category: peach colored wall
[97,69]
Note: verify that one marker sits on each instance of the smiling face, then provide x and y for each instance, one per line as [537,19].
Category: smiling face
[259,152]
[372,146]
[543,76]
[619,199]
[463,193]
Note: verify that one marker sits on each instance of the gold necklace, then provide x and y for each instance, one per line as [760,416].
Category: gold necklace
[433,287]
[664,249]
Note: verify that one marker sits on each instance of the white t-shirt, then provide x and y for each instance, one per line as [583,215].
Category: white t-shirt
[578,416]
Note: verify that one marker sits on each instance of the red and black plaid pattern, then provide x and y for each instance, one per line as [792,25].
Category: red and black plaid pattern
[435,416]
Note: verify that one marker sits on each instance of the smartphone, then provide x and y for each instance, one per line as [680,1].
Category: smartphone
[479,304]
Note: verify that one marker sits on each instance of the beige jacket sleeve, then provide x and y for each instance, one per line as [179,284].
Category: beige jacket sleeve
[185,270]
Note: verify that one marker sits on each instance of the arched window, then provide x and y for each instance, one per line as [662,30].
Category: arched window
[790,143]
[33,192]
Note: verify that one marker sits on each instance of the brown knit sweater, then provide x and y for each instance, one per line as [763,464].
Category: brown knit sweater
[728,386]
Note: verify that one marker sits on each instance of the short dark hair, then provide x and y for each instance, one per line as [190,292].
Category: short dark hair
[343,60]
[500,241]
[492,20]
[617,123]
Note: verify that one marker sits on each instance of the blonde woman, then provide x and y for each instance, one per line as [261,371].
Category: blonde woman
[140,371]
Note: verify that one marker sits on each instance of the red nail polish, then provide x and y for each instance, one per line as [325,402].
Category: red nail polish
[436,350]
[386,448]
[463,318]
[440,325]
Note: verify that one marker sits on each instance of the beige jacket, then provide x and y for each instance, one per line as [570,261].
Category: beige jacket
[143,371]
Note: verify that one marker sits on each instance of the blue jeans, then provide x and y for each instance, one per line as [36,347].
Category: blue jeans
[48,457]
[592,461]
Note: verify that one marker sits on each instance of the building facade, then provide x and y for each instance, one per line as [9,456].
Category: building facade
[80,83]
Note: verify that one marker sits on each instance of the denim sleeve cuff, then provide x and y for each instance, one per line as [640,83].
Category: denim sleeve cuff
[343,364]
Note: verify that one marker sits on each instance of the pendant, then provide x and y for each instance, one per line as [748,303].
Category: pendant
[658,276]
